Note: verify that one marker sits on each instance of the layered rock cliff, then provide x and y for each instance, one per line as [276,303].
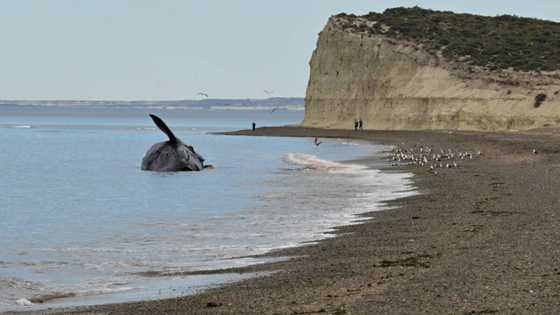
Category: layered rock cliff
[364,69]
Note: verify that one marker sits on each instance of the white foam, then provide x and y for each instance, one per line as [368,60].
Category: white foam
[313,162]
[24,302]
[363,188]
[15,292]
[21,126]
[104,290]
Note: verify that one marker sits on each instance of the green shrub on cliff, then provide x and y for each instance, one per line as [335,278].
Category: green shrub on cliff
[497,42]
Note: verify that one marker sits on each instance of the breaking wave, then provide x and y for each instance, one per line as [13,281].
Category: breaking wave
[16,126]
[313,162]
[18,292]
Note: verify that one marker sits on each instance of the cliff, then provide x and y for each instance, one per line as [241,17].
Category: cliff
[422,69]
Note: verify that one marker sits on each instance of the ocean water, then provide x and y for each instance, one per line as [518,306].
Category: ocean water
[78,217]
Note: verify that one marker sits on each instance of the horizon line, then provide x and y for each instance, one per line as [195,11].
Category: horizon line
[142,100]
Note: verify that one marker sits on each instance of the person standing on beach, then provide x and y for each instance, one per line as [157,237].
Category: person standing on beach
[360,124]
[317,142]
[254,126]
[355,124]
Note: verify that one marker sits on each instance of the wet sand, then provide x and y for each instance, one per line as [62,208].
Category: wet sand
[483,238]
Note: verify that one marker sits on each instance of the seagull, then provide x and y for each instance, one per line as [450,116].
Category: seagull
[268,92]
[317,142]
[202,94]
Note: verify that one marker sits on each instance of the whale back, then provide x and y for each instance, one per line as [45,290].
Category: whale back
[169,157]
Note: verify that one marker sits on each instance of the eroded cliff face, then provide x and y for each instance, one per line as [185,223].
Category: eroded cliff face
[395,84]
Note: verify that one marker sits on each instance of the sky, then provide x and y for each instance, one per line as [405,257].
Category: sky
[174,49]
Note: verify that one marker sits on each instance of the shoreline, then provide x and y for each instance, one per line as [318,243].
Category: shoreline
[63,301]
[469,246]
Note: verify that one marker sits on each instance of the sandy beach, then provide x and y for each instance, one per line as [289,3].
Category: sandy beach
[483,238]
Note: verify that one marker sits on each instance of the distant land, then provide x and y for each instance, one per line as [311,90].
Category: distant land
[287,103]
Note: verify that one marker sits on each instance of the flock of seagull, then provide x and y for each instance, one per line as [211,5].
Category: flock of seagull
[426,156]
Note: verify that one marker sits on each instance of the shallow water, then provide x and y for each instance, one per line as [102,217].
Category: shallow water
[77,215]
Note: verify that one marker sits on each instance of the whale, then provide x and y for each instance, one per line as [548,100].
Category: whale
[172,155]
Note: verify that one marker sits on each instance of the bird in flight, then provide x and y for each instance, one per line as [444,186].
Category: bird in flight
[202,94]
[268,92]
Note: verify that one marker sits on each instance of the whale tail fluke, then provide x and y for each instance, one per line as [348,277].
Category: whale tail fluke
[163,127]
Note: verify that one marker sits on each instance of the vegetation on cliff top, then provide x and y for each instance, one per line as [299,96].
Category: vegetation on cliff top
[499,42]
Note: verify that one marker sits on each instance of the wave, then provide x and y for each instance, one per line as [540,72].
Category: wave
[44,298]
[19,292]
[24,302]
[16,126]
[214,268]
[364,189]
[16,283]
[15,292]
[309,161]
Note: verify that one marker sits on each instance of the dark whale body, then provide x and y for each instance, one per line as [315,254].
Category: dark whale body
[172,155]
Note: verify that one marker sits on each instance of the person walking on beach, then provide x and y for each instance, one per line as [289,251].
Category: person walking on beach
[355,124]
[360,124]
[254,126]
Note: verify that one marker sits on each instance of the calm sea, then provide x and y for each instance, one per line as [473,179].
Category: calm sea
[79,217]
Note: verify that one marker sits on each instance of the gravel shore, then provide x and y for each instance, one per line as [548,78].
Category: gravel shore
[483,238]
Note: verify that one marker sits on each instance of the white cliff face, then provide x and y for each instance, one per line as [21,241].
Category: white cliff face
[393,84]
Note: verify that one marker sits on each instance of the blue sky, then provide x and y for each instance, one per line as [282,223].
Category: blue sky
[172,49]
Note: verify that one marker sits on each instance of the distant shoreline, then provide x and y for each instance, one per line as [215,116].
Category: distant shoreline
[481,239]
[271,105]
[178,102]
